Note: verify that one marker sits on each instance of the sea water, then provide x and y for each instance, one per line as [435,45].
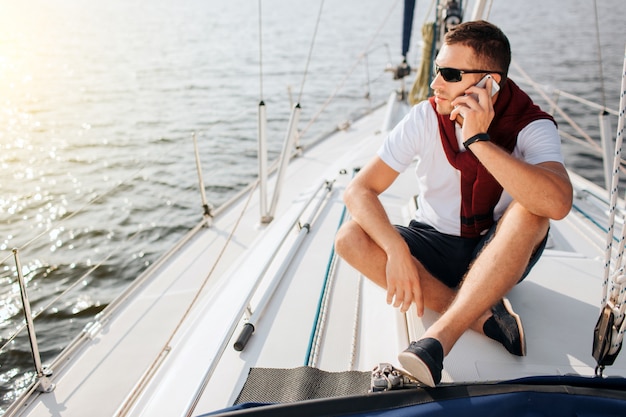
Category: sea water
[99,102]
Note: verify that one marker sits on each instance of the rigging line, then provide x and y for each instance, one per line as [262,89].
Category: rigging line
[556,107]
[486,17]
[350,71]
[260,52]
[68,289]
[589,146]
[86,205]
[586,102]
[560,93]
[166,347]
[586,141]
[6,258]
[430,9]
[599,47]
[614,186]
[308,60]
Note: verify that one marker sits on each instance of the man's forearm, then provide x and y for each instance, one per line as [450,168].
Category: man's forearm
[367,210]
[543,189]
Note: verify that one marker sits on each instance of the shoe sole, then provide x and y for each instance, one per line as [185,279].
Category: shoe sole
[417,368]
[518,320]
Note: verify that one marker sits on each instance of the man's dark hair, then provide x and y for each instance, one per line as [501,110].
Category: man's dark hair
[490,44]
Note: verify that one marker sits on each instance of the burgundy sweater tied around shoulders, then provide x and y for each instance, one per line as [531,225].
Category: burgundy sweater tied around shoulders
[480,191]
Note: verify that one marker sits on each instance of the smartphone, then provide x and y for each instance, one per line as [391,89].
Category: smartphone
[483,82]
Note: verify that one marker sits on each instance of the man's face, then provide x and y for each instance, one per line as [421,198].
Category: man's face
[453,56]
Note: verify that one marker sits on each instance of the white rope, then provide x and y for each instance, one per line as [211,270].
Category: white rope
[320,329]
[616,296]
[356,325]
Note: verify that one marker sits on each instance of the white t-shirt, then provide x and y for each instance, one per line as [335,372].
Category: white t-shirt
[416,137]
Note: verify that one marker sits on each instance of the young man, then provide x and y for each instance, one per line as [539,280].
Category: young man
[490,175]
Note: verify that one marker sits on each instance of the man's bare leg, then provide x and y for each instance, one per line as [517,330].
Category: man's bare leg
[352,242]
[494,272]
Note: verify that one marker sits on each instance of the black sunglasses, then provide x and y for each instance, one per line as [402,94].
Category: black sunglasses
[453,75]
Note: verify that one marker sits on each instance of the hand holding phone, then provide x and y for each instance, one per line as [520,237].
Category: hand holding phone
[458,117]
[482,84]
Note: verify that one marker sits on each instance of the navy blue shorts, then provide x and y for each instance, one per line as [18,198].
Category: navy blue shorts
[448,257]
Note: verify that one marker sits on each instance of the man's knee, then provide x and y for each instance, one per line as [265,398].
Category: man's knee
[342,238]
[523,221]
[348,238]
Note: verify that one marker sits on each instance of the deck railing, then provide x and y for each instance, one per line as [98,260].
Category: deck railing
[604,147]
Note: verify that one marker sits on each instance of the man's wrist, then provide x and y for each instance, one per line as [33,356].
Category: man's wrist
[396,247]
[479,137]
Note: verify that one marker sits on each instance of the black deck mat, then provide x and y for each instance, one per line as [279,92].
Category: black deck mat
[270,385]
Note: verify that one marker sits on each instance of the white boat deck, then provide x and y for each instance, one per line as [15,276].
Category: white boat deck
[147,338]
